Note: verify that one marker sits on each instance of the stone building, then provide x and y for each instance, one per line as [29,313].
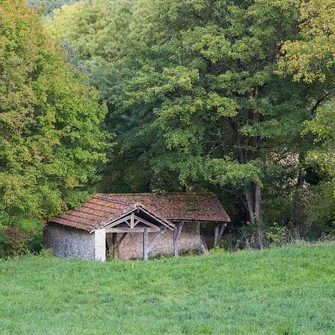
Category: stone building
[130,226]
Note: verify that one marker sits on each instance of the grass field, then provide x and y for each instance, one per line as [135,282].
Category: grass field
[290,290]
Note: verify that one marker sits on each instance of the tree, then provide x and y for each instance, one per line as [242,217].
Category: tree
[206,87]
[195,94]
[309,58]
[52,144]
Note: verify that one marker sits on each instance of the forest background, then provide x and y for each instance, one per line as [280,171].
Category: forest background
[236,98]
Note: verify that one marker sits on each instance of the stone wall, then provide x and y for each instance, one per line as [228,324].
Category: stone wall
[189,239]
[69,242]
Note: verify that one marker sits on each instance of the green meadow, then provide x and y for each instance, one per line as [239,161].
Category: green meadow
[289,290]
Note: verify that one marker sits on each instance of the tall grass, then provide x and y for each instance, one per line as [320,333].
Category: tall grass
[289,290]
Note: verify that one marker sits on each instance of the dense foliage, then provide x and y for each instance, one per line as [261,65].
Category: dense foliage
[51,142]
[48,6]
[311,59]
[232,97]
[199,101]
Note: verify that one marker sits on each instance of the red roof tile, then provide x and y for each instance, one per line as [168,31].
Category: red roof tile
[180,206]
[172,207]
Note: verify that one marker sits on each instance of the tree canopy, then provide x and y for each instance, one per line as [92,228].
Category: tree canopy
[232,97]
[195,92]
[49,5]
[52,143]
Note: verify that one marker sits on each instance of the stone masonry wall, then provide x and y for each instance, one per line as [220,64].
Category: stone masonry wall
[69,242]
[189,239]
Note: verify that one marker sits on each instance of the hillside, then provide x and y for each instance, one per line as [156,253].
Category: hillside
[290,290]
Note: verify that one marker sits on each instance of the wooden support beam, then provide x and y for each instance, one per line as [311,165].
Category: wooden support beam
[155,218]
[132,220]
[123,220]
[218,232]
[134,230]
[156,239]
[113,243]
[175,241]
[117,244]
[176,233]
[222,230]
[114,237]
[145,244]
[145,222]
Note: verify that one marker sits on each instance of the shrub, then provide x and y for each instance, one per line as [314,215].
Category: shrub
[19,236]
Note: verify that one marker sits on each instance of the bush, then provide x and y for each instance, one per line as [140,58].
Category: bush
[262,234]
[19,236]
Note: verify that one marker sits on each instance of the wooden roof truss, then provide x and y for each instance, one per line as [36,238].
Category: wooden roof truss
[139,220]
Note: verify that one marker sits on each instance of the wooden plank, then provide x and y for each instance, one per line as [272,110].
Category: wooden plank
[134,230]
[145,244]
[156,239]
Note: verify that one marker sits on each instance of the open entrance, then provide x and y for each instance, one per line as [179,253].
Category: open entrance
[137,221]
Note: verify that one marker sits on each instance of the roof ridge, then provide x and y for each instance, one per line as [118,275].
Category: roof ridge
[103,195]
[110,197]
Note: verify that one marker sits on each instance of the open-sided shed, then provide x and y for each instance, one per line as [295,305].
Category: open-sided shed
[135,225]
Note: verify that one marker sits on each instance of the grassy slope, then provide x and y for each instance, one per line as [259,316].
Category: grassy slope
[289,290]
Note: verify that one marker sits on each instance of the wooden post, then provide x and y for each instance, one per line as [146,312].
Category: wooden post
[114,236]
[175,241]
[145,244]
[132,221]
[216,234]
[222,229]
[176,233]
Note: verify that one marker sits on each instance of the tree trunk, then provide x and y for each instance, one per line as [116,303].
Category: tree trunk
[254,202]
[258,202]
[250,203]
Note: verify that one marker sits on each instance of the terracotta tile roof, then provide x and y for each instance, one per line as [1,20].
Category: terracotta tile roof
[93,212]
[171,207]
[178,206]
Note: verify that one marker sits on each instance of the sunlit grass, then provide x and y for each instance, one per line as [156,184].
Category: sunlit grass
[290,290]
